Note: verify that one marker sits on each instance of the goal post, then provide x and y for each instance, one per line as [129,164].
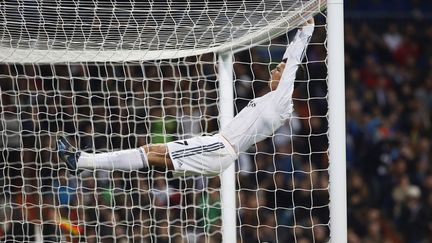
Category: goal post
[113,75]
[228,197]
[337,137]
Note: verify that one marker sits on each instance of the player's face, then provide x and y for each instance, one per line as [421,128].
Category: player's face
[275,75]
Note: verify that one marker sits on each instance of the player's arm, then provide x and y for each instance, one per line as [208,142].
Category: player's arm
[296,49]
[294,54]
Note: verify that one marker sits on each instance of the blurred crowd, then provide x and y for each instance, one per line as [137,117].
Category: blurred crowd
[282,182]
[388,94]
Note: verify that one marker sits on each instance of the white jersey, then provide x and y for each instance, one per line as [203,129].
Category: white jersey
[264,115]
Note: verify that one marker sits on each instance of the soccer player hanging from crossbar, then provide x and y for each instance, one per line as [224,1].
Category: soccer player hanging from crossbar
[210,155]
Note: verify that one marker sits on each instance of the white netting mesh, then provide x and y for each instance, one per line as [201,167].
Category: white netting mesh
[45,31]
[109,105]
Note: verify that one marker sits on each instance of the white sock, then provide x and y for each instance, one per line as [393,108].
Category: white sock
[128,160]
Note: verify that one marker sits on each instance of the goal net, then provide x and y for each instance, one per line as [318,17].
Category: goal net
[112,75]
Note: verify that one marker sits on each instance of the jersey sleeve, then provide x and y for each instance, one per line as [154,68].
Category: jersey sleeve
[294,55]
[296,49]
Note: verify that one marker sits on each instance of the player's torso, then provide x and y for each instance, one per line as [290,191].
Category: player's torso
[257,121]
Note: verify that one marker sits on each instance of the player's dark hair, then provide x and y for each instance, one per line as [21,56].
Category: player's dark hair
[301,76]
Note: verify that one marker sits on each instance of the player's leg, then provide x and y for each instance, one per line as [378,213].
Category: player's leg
[201,155]
[128,160]
[157,155]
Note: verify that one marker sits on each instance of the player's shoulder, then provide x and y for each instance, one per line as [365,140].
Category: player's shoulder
[260,100]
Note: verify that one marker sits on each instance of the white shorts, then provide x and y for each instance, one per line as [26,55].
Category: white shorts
[206,155]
